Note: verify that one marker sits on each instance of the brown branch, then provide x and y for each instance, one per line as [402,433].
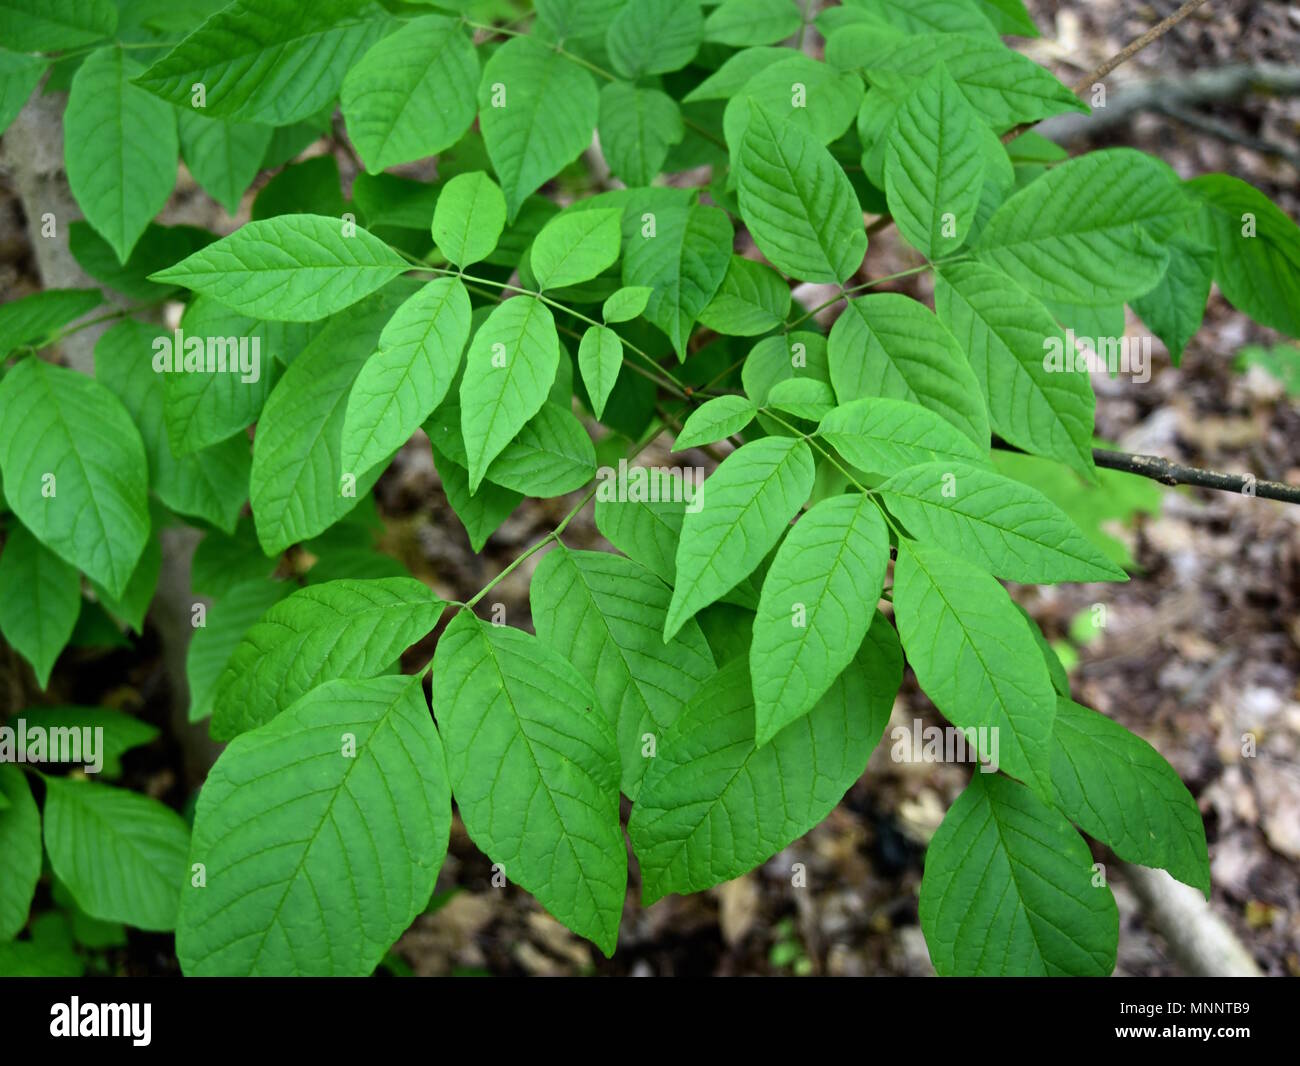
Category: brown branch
[1122,56]
[1170,473]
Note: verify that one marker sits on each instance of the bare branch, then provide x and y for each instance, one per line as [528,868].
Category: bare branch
[1170,473]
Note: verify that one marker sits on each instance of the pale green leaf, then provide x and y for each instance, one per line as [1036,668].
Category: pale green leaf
[575,246]
[121,854]
[536,111]
[74,469]
[715,420]
[1091,231]
[749,22]
[413,93]
[34,319]
[817,602]
[1117,787]
[321,833]
[469,217]
[714,805]
[683,257]
[345,628]
[654,36]
[534,768]
[974,656]
[20,843]
[605,614]
[626,303]
[881,436]
[600,357]
[1009,890]
[292,268]
[1004,526]
[637,126]
[509,369]
[400,385]
[1008,335]
[797,202]
[120,149]
[747,504]
[890,345]
[273,62]
[752,299]
[225,624]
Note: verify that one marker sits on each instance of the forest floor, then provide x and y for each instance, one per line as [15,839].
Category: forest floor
[1200,649]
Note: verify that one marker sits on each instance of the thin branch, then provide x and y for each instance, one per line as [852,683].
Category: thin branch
[1122,56]
[1170,473]
[1136,45]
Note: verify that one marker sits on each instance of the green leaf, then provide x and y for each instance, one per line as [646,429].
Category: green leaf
[121,854]
[19,75]
[204,407]
[511,364]
[224,626]
[296,486]
[637,126]
[322,834]
[934,166]
[1175,307]
[20,843]
[578,18]
[52,25]
[1004,526]
[400,385]
[797,91]
[626,303]
[600,357]
[224,157]
[1009,17]
[120,732]
[133,603]
[805,398]
[273,62]
[1004,87]
[119,149]
[159,247]
[605,614]
[974,656]
[1091,231]
[1007,335]
[74,469]
[654,36]
[40,599]
[221,562]
[643,528]
[576,246]
[747,504]
[345,628]
[1009,891]
[536,111]
[482,512]
[292,268]
[798,204]
[1117,788]
[890,345]
[714,804]
[1257,251]
[50,952]
[312,187]
[211,484]
[748,22]
[36,318]
[469,217]
[683,256]
[412,94]
[752,299]
[796,355]
[735,73]
[715,420]
[881,436]
[551,455]
[535,770]
[387,200]
[817,602]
